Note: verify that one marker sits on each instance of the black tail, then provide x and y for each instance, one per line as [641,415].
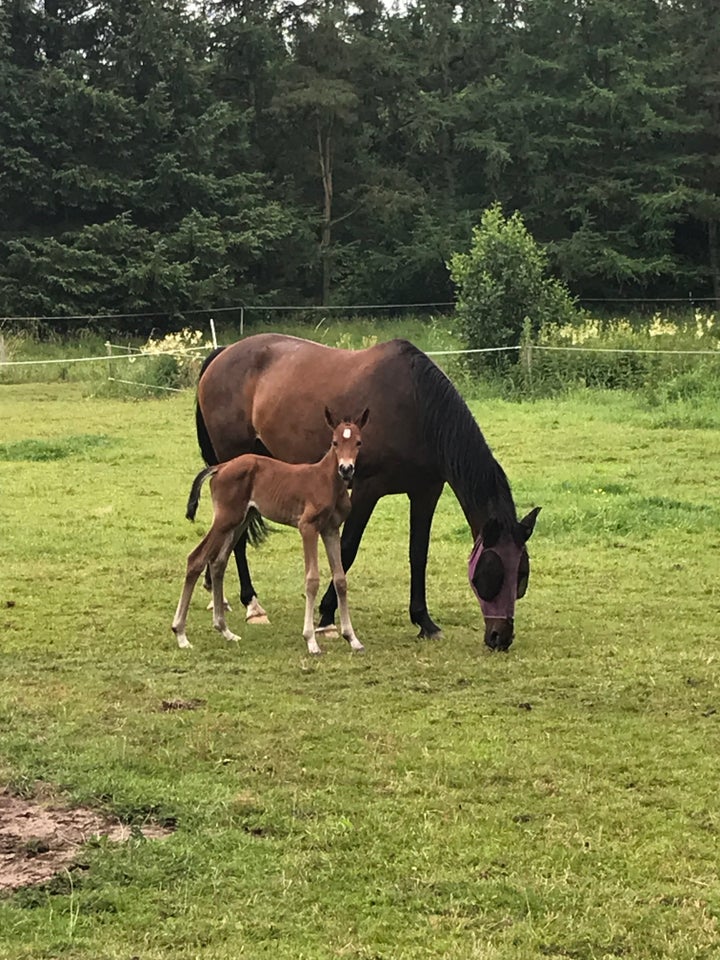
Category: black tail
[255,527]
[206,447]
[194,497]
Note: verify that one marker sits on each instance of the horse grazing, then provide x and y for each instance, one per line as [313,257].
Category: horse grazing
[312,497]
[261,394]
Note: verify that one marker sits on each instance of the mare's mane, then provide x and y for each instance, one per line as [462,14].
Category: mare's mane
[462,452]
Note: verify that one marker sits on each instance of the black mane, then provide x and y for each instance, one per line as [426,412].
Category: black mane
[477,479]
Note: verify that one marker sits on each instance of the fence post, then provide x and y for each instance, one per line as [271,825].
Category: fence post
[242,321]
[111,365]
[526,359]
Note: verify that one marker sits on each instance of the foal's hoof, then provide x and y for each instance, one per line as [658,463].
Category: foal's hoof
[226,605]
[330,631]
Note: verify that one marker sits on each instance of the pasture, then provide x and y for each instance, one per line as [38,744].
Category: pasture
[427,799]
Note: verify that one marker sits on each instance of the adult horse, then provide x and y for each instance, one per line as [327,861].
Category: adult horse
[266,394]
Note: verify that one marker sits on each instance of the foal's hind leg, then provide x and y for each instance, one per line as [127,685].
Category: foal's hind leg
[195,563]
[312,583]
[207,584]
[331,539]
[217,574]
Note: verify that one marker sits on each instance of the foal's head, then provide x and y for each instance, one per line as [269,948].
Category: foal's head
[346,441]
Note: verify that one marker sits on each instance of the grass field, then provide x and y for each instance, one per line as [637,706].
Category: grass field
[427,800]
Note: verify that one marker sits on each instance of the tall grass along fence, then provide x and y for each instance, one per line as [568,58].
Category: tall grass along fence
[674,357]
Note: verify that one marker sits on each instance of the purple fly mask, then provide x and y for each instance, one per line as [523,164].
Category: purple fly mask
[498,571]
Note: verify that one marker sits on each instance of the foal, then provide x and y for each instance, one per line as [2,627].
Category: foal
[312,497]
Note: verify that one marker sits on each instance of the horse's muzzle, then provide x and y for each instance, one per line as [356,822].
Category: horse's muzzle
[499,633]
[346,471]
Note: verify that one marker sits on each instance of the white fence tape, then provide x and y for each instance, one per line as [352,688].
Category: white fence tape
[135,353]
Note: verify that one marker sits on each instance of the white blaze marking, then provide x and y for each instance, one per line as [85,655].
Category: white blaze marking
[347,433]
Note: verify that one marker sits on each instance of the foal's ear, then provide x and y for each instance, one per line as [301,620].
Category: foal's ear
[330,419]
[527,523]
[363,418]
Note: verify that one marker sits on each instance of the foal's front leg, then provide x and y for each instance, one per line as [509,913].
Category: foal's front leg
[312,583]
[331,539]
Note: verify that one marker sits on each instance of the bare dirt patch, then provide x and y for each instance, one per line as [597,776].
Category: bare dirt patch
[37,841]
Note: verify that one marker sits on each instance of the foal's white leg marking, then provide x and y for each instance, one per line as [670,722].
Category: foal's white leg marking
[180,618]
[192,573]
[312,583]
[332,548]
[254,613]
[217,572]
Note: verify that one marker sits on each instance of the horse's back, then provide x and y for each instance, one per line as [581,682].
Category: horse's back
[274,389]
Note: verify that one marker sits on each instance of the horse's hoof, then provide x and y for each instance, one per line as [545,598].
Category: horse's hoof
[330,631]
[257,618]
[425,635]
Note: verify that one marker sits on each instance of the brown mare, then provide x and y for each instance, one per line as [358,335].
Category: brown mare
[312,497]
[264,393]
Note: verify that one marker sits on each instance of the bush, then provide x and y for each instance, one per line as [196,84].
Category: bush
[502,284]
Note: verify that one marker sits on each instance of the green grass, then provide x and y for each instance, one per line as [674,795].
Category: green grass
[426,800]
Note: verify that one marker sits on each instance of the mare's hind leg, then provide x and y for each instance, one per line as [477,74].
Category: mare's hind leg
[312,583]
[331,539]
[254,613]
[363,504]
[217,575]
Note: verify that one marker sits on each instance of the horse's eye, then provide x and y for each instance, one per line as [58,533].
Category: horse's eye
[334,443]
[359,443]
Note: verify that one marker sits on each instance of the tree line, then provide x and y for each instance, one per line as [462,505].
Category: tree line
[160,155]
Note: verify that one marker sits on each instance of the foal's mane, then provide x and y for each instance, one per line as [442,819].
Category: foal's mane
[462,452]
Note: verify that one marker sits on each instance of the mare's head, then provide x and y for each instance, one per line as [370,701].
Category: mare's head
[499,571]
[346,441]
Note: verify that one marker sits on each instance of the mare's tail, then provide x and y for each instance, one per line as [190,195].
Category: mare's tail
[194,497]
[255,527]
[203,437]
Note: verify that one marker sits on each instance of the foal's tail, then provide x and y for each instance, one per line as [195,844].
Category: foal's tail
[194,497]
[253,525]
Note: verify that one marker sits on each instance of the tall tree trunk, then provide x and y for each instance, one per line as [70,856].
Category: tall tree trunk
[325,153]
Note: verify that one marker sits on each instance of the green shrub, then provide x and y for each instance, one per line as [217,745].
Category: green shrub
[502,283]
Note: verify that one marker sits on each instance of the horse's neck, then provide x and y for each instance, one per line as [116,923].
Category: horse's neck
[479,508]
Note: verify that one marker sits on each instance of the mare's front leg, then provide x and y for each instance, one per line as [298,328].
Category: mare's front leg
[331,539]
[422,508]
[363,503]
[217,575]
[312,582]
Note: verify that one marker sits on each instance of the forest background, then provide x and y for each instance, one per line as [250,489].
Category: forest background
[164,157]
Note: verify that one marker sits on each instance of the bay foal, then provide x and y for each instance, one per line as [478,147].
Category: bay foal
[310,496]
